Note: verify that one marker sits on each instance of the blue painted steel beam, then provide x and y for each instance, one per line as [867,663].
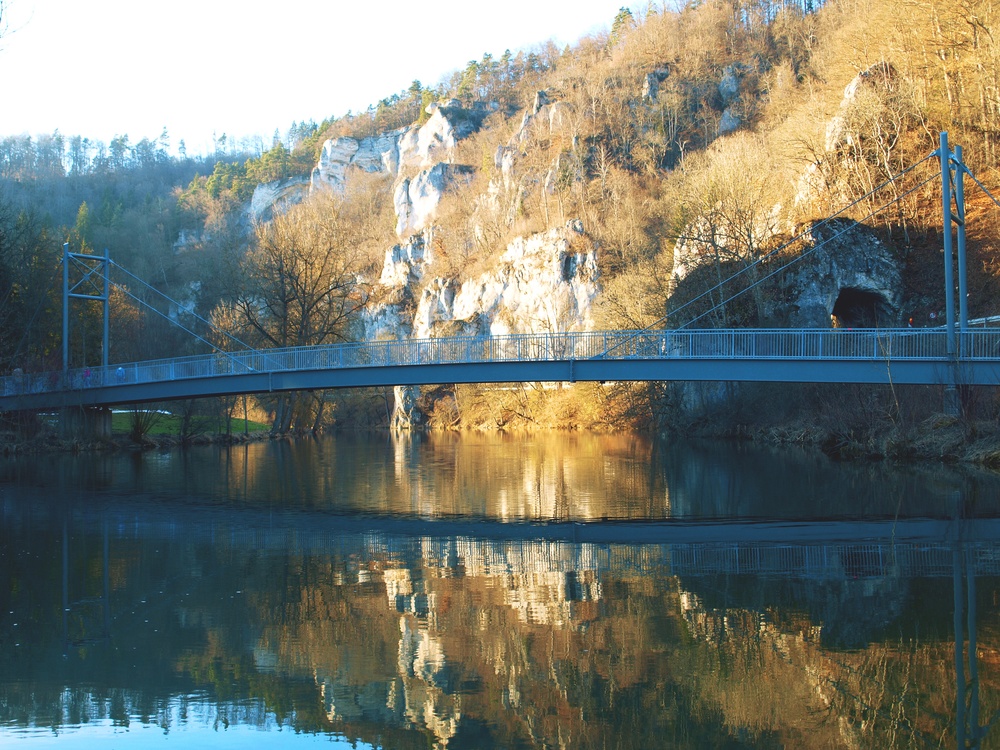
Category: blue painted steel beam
[899,372]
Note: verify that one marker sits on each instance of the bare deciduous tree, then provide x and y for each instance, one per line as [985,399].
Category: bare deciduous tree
[302,282]
[732,211]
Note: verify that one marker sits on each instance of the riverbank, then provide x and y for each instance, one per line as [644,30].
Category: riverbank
[50,442]
[939,438]
[935,438]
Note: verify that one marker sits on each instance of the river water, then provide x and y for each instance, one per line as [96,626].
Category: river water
[479,591]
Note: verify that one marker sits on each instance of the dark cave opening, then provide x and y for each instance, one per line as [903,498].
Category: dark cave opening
[855,308]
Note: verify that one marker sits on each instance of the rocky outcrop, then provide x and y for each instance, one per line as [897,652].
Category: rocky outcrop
[435,140]
[417,200]
[729,122]
[545,282]
[404,263]
[544,120]
[377,154]
[277,196]
[842,143]
[651,84]
[879,77]
[729,84]
[420,158]
[847,275]
[188,239]
[430,149]
[729,88]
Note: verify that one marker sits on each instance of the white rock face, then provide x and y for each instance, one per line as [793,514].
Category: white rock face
[277,196]
[437,304]
[881,75]
[429,149]
[333,162]
[545,120]
[404,263]
[840,141]
[546,282]
[435,140]
[427,145]
[377,154]
[416,200]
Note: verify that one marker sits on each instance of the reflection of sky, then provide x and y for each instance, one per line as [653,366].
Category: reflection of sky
[201,728]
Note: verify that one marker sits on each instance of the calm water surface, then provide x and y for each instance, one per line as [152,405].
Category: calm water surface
[488,591]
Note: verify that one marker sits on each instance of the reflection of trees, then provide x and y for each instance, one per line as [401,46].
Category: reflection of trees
[545,477]
[479,643]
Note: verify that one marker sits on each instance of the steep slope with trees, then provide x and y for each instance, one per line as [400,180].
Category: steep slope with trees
[690,142]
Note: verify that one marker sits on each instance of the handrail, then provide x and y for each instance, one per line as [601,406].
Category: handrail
[730,344]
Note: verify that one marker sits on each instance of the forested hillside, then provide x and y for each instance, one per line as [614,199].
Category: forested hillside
[690,142]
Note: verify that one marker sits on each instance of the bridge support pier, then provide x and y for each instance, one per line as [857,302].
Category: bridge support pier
[85,423]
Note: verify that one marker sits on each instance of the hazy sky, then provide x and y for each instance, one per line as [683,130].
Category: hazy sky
[101,68]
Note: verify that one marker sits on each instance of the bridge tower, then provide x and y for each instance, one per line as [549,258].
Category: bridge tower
[89,287]
[952,168]
[93,284]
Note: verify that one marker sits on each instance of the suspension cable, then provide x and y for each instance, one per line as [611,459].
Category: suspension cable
[746,269]
[175,302]
[125,291]
[980,184]
[762,259]
[813,249]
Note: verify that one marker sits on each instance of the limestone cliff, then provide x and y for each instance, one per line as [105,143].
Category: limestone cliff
[544,282]
[846,274]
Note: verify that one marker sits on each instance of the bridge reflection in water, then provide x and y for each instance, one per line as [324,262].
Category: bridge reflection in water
[402,631]
[923,356]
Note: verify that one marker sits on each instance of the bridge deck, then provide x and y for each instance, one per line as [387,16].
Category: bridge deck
[912,356]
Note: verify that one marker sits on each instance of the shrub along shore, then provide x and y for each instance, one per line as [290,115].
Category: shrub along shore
[937,437]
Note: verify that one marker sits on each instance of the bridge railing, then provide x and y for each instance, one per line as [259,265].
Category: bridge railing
[816,344]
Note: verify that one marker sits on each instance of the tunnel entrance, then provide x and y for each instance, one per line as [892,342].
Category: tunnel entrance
[855,308]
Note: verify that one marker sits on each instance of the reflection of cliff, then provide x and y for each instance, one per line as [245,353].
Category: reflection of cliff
[460,642]
[426,641]
[510,477]
[768,674]
[497,637]
[720,480]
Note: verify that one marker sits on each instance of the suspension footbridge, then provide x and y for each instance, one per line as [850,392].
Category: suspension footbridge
[905,356]
[954,355]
